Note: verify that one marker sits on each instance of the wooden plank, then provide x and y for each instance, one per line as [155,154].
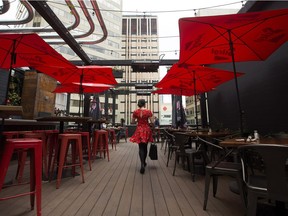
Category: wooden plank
[117,188]
[116,195]
[126,199]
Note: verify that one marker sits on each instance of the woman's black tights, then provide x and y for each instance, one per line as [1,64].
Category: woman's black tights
[143,155]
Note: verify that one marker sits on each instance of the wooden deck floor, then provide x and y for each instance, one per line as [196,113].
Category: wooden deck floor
[117,188]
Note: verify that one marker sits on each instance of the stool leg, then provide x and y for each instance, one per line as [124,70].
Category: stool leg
[74,149]
[106,146]
[86,139]
[63,149]
[54,159]
[6,158]
[22,156]
[45,161]
[38,179]
[32,178]
[98,146]
[81,158]
[89,151]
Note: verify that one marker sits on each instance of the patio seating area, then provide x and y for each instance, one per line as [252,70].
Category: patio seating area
[117,188]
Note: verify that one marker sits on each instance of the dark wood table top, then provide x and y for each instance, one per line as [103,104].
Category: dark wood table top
[99,121]
[64,118]
[212,134]
[7,111]
[237,142]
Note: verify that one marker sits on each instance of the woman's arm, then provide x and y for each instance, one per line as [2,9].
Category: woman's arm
[133,121]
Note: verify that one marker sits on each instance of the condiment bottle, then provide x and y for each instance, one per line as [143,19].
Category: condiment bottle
[256,135]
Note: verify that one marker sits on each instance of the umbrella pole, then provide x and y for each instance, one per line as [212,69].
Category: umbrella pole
[236,83]
[195,101]
[81,92]
[12,61]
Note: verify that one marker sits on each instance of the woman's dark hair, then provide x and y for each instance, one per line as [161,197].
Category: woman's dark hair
[141,103]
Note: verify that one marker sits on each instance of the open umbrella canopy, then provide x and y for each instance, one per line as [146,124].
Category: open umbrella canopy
[196,78]
[84,88]
[21,50]
[249,37]
[232,38]
[81,74]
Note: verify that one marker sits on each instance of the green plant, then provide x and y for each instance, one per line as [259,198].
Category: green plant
[13,99]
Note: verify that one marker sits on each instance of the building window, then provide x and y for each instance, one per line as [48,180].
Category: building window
[143,26]
[153,26]
[124,26]
[133,26]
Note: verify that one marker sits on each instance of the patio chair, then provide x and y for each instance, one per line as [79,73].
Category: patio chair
[169,145]
[265,175]
[122,133]
[217,166]
[193,156]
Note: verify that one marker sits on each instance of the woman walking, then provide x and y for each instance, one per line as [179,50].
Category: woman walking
[143,133]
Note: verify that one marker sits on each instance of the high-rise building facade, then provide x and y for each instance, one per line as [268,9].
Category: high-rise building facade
[139,43]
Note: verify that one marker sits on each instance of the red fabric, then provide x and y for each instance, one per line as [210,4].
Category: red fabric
[255,36]
[28,50]
[206,79]
[75,88]
[90,74]
[143,132]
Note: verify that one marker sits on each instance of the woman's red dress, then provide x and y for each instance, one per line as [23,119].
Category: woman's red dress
[143,132]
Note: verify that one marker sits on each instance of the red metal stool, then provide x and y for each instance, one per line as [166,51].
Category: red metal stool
[100,143]
[76,144]
[86,146]
[112,137]
[37,135]
[10,134]
[52,145]
[35,147]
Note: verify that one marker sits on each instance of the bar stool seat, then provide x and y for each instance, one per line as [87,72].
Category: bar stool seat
[10,134]
[100,143]
[35,148]
[64,141]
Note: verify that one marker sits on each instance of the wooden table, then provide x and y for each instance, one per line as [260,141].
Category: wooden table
[63,119]
[235,143]
[7,111]
[205,135]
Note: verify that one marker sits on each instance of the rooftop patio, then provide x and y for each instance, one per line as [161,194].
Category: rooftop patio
[117,188]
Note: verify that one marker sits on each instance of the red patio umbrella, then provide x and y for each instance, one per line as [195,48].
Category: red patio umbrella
[81,74]
[245,37]
[20,50]
[197,79]
[232,38]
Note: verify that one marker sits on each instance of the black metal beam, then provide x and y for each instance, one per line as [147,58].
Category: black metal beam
[45,11]
[118,62]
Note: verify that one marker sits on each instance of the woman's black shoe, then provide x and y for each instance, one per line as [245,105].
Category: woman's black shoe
[142,170]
